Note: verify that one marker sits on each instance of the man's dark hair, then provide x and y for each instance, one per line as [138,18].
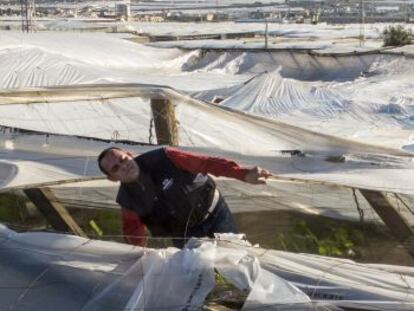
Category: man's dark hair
[102,155]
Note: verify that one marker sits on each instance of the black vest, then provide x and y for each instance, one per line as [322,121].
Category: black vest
[168,200]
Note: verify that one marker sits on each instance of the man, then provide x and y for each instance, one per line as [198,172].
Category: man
[170,191]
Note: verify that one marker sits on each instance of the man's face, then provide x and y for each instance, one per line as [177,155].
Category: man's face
[120,165]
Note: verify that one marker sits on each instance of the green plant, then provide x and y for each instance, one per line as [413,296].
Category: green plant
[396,36]
[331,240]
[20,214]
[339,244]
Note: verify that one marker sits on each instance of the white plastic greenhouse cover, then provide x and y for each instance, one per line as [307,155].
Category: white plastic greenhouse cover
[47,271]
[32,159]
[218,131]
[365,97]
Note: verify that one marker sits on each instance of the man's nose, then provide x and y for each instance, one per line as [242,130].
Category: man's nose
[124,164]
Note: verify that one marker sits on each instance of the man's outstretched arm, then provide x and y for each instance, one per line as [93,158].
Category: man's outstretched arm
[199,163]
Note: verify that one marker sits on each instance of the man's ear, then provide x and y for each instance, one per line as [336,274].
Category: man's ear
[130,154]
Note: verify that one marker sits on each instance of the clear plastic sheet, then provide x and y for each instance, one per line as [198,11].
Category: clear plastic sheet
[44,271]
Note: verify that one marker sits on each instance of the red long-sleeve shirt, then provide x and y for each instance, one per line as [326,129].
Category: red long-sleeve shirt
[132,225]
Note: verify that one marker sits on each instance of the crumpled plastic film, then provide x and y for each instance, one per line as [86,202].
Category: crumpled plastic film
[245,272]
[166,279]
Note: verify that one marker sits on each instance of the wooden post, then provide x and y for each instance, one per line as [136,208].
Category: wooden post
[55,213]
[164,121]
[399,227]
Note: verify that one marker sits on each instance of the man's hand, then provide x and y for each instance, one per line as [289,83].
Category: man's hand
[256,176]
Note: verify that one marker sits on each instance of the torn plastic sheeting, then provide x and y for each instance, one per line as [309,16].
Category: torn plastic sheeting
[165,280]
[73,273]
[329,279]
[33,277]
[245,272]
[269,289]
[192,271]
[35,168]
[38,272]
[183,280]
[222,130]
